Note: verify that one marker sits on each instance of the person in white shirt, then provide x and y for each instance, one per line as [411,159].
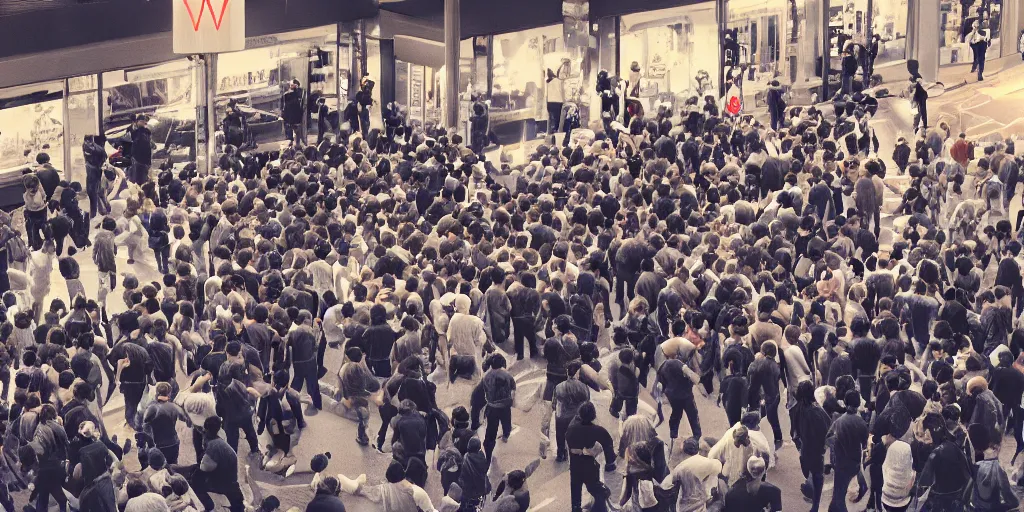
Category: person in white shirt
[979,39]
[395,495]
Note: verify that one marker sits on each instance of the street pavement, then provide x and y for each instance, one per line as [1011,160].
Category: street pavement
[979,108]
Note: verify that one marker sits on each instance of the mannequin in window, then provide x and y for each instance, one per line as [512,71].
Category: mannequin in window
[634,88]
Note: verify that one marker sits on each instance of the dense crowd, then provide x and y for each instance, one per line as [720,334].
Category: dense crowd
[689,252]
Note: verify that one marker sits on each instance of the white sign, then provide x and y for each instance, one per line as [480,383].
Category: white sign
[208,26]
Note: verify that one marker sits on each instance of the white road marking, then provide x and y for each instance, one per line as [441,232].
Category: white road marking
[542,504]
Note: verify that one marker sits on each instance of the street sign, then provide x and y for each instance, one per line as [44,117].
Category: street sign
[208,26]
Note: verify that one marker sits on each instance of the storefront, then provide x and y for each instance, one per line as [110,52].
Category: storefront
[956,23]
[677,51]
[255,79]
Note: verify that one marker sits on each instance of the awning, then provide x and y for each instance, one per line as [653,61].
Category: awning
[422,52]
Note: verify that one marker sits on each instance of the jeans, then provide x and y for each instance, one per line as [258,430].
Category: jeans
[307,373]
[843,477]
[163,259]
[496,416]
[688,406]
[387,412]
[561,425]
[98,203]
[231,428]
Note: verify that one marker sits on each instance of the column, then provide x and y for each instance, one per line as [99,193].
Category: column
[205,73]
[69,173]
[926,49]
[375,63]
[452,39]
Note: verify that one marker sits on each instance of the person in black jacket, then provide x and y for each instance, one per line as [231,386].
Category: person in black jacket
[583,434]
[677,377]
[499,389]
[141,149]
[776,105]
[764,377]
[292,112]
[809,423]
[95,157]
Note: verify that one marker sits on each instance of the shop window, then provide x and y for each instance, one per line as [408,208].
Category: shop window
[31,118]
[164,94]
[677,50]
[256,79]
[889,24]
[957,21]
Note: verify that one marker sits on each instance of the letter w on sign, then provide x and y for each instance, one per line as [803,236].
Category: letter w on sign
[197,18]
[208,26]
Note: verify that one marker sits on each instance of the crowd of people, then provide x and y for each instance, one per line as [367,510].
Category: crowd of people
[689,256]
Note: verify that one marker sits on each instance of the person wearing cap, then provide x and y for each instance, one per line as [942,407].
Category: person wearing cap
[849,433]
[751,493]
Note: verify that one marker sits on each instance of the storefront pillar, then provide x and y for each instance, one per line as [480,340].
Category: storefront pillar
[927,21]
[206,111]
[69,173]
[99,103]
[452,41]
[826,51]
[722,18]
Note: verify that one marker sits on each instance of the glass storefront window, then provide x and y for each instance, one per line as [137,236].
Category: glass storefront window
[164,93]
[82,112]
[759,29]
[677,51]
[31,118]
[889,22]
[256,79]
[956,23]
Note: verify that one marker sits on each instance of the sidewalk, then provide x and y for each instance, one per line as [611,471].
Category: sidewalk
[959,75]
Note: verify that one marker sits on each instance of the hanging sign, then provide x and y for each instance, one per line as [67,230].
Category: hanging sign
[208,26]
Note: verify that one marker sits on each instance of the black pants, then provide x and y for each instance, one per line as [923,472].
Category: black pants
[163,259]
[625,284]
[307,373]
[97,202]
[772,406]
[618,401]
[231,428]
[524,331]
[584,470]
[197,442]
[203,487]
[688,406]
[978,51]
[139,173]
[496,415]
[554,116]
[387,412]
[35,223]
[477,402]
[132,392]
[292,132]
[921,119]
[49,482]
[561,425]
[171,452]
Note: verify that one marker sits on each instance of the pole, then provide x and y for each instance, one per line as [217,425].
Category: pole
[69,173]
[826,53]
[452,39]
[210,95]
[868,59]
[99,103]
[721,9]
